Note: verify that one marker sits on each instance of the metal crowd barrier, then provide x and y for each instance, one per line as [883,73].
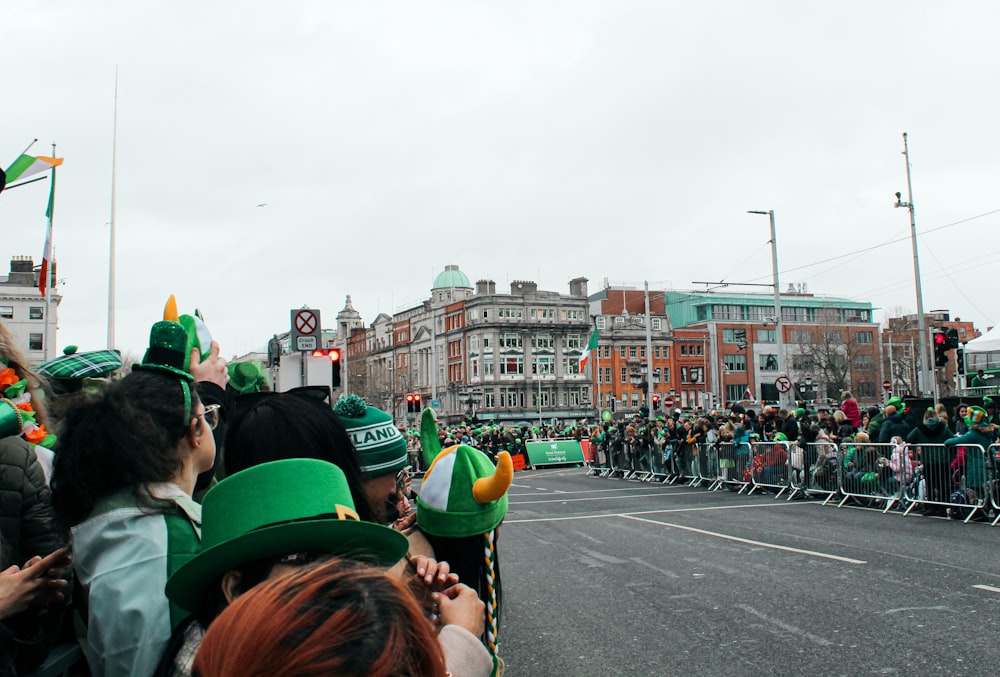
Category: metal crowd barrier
[768,467]
[866,476]
[733,461]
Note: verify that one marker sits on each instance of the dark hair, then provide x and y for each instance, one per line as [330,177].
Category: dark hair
[121,438]
[465,558]
[339,618]
[268,427]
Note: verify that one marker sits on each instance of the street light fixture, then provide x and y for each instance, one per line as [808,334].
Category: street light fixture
[778,330]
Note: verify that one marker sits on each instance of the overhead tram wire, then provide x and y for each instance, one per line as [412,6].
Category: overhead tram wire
[879,246]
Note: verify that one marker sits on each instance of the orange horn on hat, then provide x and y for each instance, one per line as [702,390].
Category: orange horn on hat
[170,309]
[489,489]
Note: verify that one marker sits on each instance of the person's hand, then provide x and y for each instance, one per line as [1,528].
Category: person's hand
[434,574]
[406,523]
[460,605]
[39,582]
[213,369]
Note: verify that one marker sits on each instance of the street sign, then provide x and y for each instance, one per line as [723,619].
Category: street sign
[435,404]
[606,415]
[306,329]
[886,385]
[668,401]
[783,384]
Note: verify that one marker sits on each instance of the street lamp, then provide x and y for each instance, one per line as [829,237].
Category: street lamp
[778,330]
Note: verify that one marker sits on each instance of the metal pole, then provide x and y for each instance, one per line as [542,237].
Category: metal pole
[649,360]
[778,330]
[926,371]
[892,373]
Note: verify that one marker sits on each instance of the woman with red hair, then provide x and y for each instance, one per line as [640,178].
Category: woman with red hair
[340,618]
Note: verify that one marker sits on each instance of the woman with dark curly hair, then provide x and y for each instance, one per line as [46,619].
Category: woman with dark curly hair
[125,468]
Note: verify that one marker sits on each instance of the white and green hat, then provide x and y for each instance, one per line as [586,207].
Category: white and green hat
[381,447]
[463,494]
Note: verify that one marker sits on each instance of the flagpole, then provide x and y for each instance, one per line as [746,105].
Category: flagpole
[111,240]
[34,141]
[597,379]
[46,270]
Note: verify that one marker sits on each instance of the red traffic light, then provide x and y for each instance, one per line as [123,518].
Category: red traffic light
[334,354]
[416,397]
[410,396]
[318,353]
[939,337]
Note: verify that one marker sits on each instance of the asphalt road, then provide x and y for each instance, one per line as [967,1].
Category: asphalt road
[609,577]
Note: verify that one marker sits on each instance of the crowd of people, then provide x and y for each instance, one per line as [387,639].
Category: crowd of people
[173,524]
[936,458]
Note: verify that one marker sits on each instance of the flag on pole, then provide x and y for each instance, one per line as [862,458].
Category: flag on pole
[43,275]
[747,395]
[26,165]
[591,347]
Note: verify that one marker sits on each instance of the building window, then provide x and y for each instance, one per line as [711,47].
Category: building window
[684,349]
[7,312]
[735,392]
[864,337]
[698,350]
[35,313]
[571,365]
[735,362]
[488,366]
[631,351]
[510,313]
[696,375]
[794,314]
[624,375]
[864,361]
[607,352]
[510,399]
[656,351]
[546,342]
[35,342]
[768,362]
[727,312]
[489,399]
[802,362]
[655,323]
[512,365]
[486,313]
[621,352]
[766,336]
[572,342]
[601,323]
[511,341]
[642,352]
[856,315]
[801,336]
[546,365]
[834,337]
[656,375]
[759,313]
[635,400]
[474,368]
[666,374]
[684,374]
[865,389]
[607,374]
[619,320]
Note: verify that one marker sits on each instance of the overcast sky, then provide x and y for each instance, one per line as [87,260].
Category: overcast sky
[518,140]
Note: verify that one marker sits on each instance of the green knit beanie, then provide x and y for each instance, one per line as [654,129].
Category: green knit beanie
[380,446]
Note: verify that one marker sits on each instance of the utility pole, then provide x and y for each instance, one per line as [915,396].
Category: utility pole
[927,382]
[778,329]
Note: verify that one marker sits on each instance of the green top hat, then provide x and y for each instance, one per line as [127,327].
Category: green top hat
[11,422]
[278,508]
[245,377]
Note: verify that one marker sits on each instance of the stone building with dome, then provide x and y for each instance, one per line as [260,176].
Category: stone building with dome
[472,351]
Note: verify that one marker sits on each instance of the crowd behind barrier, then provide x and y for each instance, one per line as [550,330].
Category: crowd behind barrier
[900,476]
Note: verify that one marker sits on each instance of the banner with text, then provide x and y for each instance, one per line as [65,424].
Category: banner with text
[554,452]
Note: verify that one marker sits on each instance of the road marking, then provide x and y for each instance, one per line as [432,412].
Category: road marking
[652,512]
[737,539]
[988,588]
[822,641]
[584,491]
[598,498]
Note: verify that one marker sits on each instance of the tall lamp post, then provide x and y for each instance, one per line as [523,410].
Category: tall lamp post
[778,330]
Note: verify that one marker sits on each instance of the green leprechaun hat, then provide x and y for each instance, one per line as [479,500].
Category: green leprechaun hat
[297,505]
[380,445]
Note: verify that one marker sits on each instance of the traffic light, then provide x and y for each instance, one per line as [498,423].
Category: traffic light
[334,355]
[951,339]
[413,403]
[335,362]
[656,402]
[940,349]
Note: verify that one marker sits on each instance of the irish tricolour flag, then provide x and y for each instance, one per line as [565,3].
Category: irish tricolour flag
[26,165]
[591,348]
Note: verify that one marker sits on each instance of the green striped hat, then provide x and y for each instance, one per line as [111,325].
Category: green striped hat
[381,447]
[463,494]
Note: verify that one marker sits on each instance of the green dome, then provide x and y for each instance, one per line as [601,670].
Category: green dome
[451,276]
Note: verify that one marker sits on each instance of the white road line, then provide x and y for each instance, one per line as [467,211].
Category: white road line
[737,539]
[816,639]
[588,491]
[596,498]
[653,512]
[988,588]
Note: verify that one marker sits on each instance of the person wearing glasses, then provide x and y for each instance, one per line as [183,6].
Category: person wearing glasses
[126,465]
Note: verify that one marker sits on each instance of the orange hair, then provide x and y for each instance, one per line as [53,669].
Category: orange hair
[339,618]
